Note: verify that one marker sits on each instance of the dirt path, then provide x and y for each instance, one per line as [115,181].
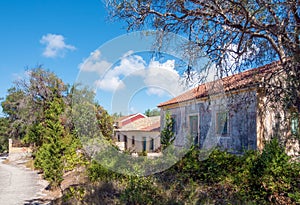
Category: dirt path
[19,185]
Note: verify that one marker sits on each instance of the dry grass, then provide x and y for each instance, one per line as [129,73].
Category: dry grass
[30,164]
[6,161]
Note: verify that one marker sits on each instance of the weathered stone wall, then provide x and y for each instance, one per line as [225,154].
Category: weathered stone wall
[241,109]
[273,121]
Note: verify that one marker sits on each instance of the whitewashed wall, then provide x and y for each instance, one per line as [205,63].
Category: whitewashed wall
[139,139]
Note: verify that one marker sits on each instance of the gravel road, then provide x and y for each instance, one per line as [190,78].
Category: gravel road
[18,185]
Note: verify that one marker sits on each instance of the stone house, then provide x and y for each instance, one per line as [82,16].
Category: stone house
[233,113]
[139,135]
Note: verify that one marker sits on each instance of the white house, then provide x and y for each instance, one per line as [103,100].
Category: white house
[139,135]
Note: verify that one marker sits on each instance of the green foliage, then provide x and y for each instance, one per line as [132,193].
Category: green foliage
[214,169]
[4,127]
[33,134]
[271,173]
[105,122]
[49,155]
[141,190]
[254,178]
[167,136]
[264,177]
[143,153]
[58,152]
[14,108]
[74,192]
[48,158]
[97,172]
[41,112]
[82,111]
[153,112]
[11,104]
[27,102]
[72,154]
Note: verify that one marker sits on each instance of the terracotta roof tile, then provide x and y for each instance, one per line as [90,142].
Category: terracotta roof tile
[122,121]
[237,81]
[143,124]
[124,117]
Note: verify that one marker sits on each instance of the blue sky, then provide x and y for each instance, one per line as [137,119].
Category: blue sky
[67,37]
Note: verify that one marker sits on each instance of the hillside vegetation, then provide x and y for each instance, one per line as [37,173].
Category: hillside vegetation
[40,111]
[223,178]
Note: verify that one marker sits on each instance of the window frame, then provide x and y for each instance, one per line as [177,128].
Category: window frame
[196,139]
[152,144]
[144,144]
[294,130]
[174,124]
[218,122]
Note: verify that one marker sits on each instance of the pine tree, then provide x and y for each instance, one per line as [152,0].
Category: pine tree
[49,155]
[167,134]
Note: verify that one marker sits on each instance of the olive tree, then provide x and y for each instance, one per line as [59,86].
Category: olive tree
[235,34]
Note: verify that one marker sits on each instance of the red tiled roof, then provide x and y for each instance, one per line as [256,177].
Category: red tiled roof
[153,127]
[143,124]
[237,81]
[124,120]
[124,117]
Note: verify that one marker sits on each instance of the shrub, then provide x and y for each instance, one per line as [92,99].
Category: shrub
[141,190]
[269,174]
[215,168]
[97,172]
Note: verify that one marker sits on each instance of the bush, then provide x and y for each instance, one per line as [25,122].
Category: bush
[48,159]
[97,172]
[269,175]
[215,168]
[141,190]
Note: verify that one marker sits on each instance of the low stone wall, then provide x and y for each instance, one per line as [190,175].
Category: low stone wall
[16,153]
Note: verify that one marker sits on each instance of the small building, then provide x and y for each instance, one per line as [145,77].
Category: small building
[233,113]
[124,120]
[139,135]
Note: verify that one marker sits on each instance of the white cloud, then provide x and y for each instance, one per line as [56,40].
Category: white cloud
[157,91]
[233,60]
[55,45]
[110,84]
[129,66]
[128,53]
[162,79]
[94,63]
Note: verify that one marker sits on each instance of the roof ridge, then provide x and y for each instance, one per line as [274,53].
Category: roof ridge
[201,90]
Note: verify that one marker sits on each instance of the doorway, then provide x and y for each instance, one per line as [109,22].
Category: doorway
[194,128]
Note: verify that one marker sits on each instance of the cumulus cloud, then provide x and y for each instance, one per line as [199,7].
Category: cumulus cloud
[160,78]
[95,63]
[110,83]
[129,66]
[55,45]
